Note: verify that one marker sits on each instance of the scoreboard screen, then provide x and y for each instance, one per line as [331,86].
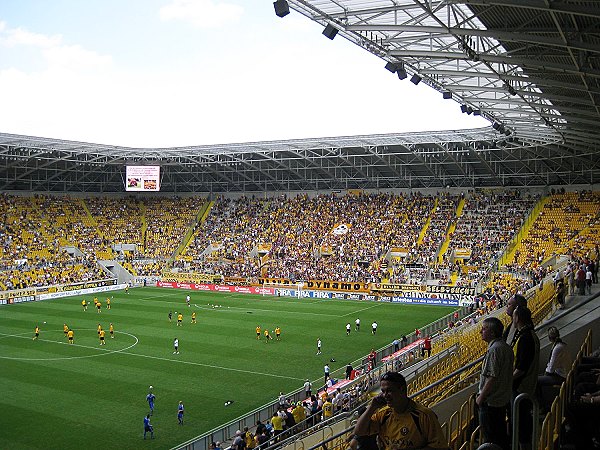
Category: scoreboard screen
[142,178]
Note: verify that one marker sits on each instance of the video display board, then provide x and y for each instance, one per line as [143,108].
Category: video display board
[142,178]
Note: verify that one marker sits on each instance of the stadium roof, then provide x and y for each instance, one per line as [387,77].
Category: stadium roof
[531,67]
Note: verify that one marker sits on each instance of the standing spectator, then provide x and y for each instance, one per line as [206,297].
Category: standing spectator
[527,359]
[327,408]
[561,292]
[299,414]
[514,302]
[326,372]
[396,344]
[372,359]
[403,341]
[417,333]
[572,280]
[580,280]
[249,438]
[427,346]
[238,442]
[307,388]
[588,278]
[148,427]
[349,369]
[374,327]
[277,422]
[397,419]
[282,401]
[494,392]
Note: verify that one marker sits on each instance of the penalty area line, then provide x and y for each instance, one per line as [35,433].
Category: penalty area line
[211,366]
[359,310]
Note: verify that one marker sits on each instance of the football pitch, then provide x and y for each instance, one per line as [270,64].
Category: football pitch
[84,395]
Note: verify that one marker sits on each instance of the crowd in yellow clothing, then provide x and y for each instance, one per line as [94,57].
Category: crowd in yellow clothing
[350,241]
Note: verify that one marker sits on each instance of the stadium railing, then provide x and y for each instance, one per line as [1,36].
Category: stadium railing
[404,360]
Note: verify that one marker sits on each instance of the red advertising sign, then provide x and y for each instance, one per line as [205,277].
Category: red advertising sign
[217,288]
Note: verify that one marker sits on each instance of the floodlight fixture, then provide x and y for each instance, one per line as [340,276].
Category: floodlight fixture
[415,79]
[330,31]
[391,67]
[401,72]
[446,95]
[282,8]
[463,108]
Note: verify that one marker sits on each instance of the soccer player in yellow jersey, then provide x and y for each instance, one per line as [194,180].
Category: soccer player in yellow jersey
[258,332]
[65,329]
[37,333]
[107,303]
[102,334]
[278,333]
[267,336]
[111,330]
[95,300]
[84,304]
[70,336]
[99,329]
[179,320]
[99,306]
[194,317]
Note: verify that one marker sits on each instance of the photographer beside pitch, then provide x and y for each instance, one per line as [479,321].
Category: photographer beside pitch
[400,422]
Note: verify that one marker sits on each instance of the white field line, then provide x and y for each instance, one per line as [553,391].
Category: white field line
[104,352]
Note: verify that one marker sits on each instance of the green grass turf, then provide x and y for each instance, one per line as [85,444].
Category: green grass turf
[56,395]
